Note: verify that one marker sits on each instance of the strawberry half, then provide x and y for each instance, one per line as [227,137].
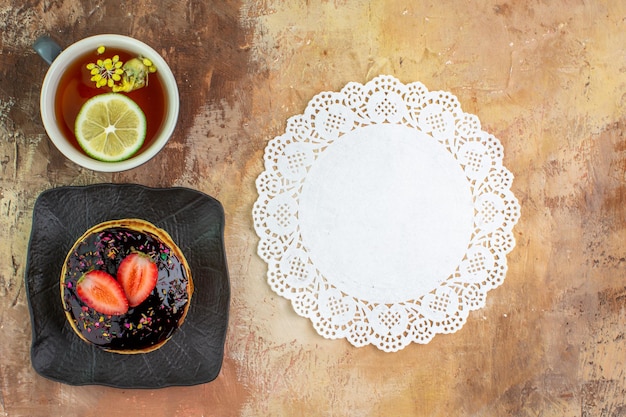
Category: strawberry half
[138,275]
[102,292]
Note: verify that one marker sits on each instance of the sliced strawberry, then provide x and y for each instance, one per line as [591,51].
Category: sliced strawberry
[138,275]
[102,292]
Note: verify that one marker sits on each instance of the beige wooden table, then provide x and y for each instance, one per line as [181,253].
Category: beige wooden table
[546,78]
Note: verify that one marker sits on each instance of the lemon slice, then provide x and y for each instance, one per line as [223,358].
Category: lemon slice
[110,127]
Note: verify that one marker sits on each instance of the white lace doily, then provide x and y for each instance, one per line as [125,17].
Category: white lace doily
[385,214]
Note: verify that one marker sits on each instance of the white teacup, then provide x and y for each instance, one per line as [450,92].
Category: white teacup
[48,51]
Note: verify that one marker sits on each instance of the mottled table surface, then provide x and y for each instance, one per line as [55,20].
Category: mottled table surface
[546,78]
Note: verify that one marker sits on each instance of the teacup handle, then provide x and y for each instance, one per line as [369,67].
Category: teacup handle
[47,48]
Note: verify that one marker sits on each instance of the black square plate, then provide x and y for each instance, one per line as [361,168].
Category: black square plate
[195,221]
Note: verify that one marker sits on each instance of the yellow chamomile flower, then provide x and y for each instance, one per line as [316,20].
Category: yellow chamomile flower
[106,72]
[120,76]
